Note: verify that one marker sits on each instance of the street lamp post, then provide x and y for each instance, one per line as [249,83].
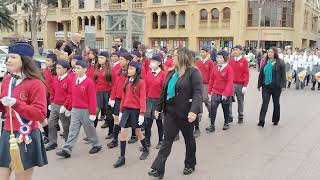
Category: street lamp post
[129,26]
[259,28]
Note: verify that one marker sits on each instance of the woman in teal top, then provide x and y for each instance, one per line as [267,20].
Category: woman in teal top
[272,80]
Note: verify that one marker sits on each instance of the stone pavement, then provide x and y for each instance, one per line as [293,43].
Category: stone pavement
[290,151]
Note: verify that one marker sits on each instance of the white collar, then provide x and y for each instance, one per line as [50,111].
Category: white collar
[237,58]
[81,79]
[75,43]
[21,76]
[63,76]
[204,60]
[156,72]
[222,66]
[114,64]
[131,79]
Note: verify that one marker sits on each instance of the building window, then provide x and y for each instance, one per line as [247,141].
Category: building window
[40,24]
[306,19]
[66,3]
[60,27]
[25,25]
[163,21]
[80,24]
[215,14]
[25,8]
[156,1]
[182,19]
[81,4]
[155,20]
[99,21]
[226,13]
[203,15]
[172,20]
[98,4]
[179,44]
[274,13]
[92,21]
[86,21]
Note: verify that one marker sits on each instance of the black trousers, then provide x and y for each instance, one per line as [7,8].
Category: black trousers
[267,92]
[216,99]
[172,125]
[148,127]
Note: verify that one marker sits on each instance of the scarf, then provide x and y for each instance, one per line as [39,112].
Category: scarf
[171,91]
[268,72]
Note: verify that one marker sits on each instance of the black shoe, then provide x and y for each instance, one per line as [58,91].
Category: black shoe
[95,149]
[63,153]
[230,119]
[141,148]
[144,154]
[240,121]
[275,123]
[156,174]
[159,144]
[46,140]
[120,162]
[261,124]
[211,129]
[313,89]
[133,140]
[104,125]
[112,144]
[102,118]
[109,136]
[51,147]
[62,134]
[177,138]
[86,139]
[187,171]
[58,127]
[196,133]
[225,127]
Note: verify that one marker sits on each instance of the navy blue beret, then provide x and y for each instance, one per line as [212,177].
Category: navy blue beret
[53,57]
[21,48]
[136,53]
[126,55]
[77,57]
[205,49]
[64,64]
[135,64]
[224,54]
[82,63]
[157,57]
[104,53]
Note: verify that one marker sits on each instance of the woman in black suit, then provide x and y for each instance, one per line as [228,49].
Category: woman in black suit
[180,102]
[272,79]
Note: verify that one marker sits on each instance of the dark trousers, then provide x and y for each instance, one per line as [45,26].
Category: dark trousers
[148,127]
[172,125]
[267,92]
[215,101]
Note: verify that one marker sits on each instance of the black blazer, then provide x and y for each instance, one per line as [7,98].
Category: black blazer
[188,94]
[279,78]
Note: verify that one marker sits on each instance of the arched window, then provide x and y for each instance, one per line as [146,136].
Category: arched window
[155,20]
[40,24]
[99,21]
[25,25]
[203,15]
[226,13]
[92,21]
[214,13]
[182,19]
[163,20]
[172,20]
[80,24]
[86,21]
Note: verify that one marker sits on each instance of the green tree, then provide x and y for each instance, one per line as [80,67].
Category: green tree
[6,22]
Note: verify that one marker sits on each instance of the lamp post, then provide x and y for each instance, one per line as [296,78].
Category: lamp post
[259,28]
[129,26]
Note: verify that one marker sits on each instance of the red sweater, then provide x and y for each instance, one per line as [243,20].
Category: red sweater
[72,75]
[117,88]
[168,64]
[84,96]
[49,81]
[241,71]
[221,82]
[154,84]
[134,98]
[146,64]
[31,102]
[101,84]
[143,72]
[205,69]
[90,72]
[62,91]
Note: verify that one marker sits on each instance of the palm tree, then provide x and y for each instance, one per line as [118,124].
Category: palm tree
[6,21]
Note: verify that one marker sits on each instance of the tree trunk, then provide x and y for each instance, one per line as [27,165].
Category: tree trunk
[34,29]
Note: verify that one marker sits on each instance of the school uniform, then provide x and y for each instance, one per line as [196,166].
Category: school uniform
[240,69]
[29,109]
[168,64]
[154,85]
[206,67]
[49,77]
[83,105]
[146,63]
[289,71]
[221,84]
[315,70]
[90,71]
[61,95]
[300,67]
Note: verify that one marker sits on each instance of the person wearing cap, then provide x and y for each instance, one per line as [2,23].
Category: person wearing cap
[144,59]
[154,84]
[61,103]
[103,81]
[116,94]
[220,89]
[136,56]
[240,67]
[132,109]
[92,62]
[168,63]
[83,112]
[73,64]
[206,66]
[23,90]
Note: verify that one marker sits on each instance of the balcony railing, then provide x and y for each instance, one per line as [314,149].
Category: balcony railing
[52,11]
[124,6]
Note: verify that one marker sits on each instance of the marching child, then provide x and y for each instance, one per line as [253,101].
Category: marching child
[154,84]
[83,111]
[220,89]
[60,104]
[132,109]
[73,64]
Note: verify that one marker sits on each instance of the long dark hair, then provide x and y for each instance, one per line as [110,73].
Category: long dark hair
[59,44]
[276,54]
[95,53]
[135,82]
[107,71]
[30,69]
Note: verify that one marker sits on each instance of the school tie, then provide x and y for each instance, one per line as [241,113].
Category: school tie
[154,73]
[14,81]
[78,81]
[219,67]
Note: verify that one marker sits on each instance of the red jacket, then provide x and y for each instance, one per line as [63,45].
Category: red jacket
[72,75]
[168,64]
[101,84]
[221,82]
[134,98]
[90,72]
[146,64]
[154,84]
[205,69]
[241,71]
[49,81]
[62,91]
[84,96]
[31,102]
[117,88]
[143,72]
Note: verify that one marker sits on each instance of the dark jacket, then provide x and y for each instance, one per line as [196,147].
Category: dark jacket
[188,94]
[279,78]
[70,47]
